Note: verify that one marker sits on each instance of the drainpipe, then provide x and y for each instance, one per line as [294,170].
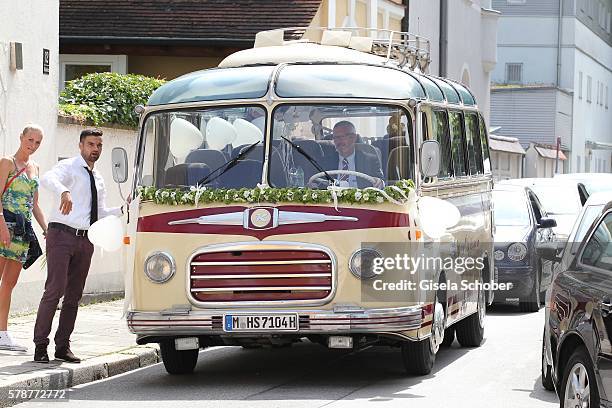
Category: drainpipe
[559,38]
[406,19]
[443,37]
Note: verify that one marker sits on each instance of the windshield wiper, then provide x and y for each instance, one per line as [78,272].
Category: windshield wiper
[310,159]
[225,167]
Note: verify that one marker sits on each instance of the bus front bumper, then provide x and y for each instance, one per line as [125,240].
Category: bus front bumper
[211,322]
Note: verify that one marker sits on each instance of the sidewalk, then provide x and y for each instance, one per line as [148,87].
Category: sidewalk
[101,339]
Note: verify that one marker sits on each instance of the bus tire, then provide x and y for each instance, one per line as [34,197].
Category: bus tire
[418,357]
[449,337]
[178,361]
[470,331]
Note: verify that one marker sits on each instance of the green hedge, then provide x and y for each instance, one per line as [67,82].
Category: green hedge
[107,97]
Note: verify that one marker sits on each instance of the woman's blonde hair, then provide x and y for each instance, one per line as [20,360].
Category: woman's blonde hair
[32,127]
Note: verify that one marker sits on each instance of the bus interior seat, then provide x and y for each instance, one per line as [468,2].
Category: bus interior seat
[246,173]
[186,174]
[212,158]
[399,159]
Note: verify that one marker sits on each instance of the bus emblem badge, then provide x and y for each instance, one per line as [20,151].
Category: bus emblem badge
[260,218]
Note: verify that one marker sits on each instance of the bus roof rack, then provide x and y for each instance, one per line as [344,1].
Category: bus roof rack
[398,47]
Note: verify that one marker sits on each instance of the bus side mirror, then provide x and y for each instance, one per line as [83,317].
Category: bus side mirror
[430,158]
[120,163]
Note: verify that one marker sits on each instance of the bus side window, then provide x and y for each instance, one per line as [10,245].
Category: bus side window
[458,143]
[473,143]
[484,145]
[441,134]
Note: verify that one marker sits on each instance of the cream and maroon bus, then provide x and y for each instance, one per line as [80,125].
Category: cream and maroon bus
[285,195]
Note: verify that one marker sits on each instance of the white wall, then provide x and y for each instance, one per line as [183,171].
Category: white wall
[592,121]
[26,96]
[533,42]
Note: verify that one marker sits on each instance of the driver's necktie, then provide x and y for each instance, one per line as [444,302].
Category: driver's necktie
[345,167]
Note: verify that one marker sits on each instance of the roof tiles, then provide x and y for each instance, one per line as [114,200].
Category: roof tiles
[184,19]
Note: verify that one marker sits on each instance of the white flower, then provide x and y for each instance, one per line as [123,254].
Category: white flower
[357,195]
[366,197]
[247,194]
[165,194]
[380,200]
[314,196]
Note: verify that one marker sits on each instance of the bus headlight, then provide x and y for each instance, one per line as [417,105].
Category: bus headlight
[159,267]
[361,263]
[517,251]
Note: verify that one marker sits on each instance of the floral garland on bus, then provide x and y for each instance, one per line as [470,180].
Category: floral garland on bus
[398,193]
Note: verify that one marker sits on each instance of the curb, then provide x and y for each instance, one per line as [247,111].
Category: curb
[68,375]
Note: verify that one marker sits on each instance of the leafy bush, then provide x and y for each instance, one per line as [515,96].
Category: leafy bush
[107,97]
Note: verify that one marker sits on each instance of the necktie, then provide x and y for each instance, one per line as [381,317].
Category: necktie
[345,166]
[94,197]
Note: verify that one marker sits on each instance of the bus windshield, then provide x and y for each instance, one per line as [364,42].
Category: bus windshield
[212,147]
[348,145]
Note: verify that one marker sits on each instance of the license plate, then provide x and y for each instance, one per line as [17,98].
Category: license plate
[267,322]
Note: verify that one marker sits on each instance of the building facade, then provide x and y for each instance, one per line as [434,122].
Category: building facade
[463,35]
[28,94]
[553,79]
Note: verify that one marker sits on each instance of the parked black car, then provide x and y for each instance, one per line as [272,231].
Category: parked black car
[577,348]
[521,224]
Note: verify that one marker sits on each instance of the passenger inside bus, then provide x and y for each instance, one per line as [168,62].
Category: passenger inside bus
[348,157]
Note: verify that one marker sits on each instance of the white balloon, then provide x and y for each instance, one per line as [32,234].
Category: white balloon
[219,133]
[184,137]
[106,233]
[247,132]
[436,216]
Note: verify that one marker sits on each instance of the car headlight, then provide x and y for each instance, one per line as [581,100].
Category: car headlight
[159,267]
[361,263]
[517,251]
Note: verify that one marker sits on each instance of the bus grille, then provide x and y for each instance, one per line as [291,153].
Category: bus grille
[263,275]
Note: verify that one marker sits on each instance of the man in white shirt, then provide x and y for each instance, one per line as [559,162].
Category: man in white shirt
[81,193]
[349,158]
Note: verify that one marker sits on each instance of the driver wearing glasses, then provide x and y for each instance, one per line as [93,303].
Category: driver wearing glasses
[350,157]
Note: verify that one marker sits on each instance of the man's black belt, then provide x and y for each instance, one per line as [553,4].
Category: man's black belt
[64,227]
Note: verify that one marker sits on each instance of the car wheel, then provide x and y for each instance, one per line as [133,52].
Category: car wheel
[531,303]
[547,381]
[470,331]
[419,356]
[178,361]
[579,386]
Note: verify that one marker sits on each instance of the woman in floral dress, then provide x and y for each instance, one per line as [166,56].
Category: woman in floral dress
[19,186]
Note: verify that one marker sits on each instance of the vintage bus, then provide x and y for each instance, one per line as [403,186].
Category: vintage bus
[272,191]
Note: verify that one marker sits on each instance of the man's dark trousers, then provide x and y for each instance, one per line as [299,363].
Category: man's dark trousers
[68,260]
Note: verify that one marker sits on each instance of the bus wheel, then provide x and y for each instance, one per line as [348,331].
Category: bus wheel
[419,356]
[470,331]
[178,361]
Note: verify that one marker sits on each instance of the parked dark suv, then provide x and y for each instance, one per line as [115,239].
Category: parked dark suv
[577,349]
[521,225]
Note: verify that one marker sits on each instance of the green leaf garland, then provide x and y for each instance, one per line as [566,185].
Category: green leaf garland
[200,196]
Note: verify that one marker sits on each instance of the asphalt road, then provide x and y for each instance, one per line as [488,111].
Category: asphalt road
[503,372]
